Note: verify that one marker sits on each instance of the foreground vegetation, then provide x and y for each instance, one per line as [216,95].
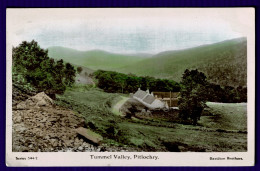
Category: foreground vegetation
[153,134]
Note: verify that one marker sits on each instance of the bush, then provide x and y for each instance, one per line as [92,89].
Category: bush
[79,69]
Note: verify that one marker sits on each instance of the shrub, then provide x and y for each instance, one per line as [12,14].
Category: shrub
[79,69]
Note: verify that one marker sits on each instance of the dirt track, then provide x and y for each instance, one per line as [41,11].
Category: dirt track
[116,108]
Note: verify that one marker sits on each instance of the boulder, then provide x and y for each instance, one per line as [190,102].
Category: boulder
[90,135]
[39,100]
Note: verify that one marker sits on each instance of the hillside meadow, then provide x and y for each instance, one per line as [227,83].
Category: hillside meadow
[97,108]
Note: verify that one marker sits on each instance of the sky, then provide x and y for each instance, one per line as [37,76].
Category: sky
[128,30]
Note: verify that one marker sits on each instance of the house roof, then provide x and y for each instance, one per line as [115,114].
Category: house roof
[149,99]
[140,94]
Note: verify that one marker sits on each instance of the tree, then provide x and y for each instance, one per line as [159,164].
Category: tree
[120,80]
[33,63]
[70,74]
[193,95]
[112,81]
[79,69]
[29,55]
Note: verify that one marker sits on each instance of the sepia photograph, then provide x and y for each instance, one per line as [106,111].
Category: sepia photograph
[146,86]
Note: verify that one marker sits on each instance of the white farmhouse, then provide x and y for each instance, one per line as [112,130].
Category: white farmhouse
[149,100]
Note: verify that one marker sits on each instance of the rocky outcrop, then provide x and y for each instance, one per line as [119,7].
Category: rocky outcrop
[39,100]
[38,125]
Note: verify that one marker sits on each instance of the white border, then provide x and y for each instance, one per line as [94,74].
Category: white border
[165,158]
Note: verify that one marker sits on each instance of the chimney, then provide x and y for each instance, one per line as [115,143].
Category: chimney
[147,91]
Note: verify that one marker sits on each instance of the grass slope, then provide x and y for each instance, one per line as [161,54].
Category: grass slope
[95,59]
[218,132]
[228,116]
[224,63]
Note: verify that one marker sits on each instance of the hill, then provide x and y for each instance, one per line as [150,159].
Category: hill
[224,63]
[94,59]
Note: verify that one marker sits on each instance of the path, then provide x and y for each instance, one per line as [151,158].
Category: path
[117,106]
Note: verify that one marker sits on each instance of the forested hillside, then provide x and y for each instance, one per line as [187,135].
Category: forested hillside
[224,63]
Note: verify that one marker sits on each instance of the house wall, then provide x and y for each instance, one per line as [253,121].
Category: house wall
[171,98]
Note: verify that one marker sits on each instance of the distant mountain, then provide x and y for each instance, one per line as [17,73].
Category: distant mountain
[94,59]
[224,63]
[143,55]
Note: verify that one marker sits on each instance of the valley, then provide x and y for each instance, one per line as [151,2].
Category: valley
[98,109]
[224,63]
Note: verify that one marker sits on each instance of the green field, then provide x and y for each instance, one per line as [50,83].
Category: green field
[227,116]
[222,129]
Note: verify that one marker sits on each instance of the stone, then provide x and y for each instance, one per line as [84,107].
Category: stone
[18,119]
[41,103]
[80,148]
[90,135]
[21,105]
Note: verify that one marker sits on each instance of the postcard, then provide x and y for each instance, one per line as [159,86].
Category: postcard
[130,87]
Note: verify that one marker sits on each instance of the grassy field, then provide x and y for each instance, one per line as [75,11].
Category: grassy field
[91,103]
[224,129]
[227,116]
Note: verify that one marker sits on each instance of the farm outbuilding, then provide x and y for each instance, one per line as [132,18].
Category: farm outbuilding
[171,98]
